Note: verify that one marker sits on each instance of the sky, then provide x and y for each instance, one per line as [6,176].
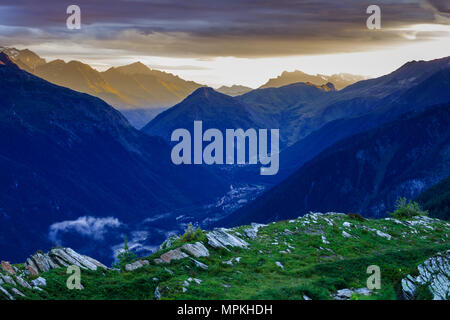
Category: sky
[225,42]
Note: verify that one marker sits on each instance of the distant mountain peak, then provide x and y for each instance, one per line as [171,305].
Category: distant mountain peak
[24,59]
[206,92]
[339,81]
[134,68]
[234,90]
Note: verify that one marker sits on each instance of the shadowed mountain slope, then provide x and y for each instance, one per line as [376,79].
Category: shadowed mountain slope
[365,173]
[65,154]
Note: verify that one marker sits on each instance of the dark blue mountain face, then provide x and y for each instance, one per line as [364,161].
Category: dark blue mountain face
[312,118]
[365,173]
[263,108]
[214,109]
[433,90]
[66,155]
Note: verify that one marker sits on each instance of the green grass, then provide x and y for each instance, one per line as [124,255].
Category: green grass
[312,268]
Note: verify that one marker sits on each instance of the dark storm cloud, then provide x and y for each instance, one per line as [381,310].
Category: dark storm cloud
[198,28]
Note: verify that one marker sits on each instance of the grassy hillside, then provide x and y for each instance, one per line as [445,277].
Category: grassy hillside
[314,255]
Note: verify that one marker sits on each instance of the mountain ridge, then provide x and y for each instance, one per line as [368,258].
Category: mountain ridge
[130,87]
[340,80]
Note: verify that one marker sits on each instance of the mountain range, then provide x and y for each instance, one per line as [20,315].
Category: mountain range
[234,90]
[261,108]
[139,92]
[134,88]
[69,159]
[312,117]
[66,155]
[340,80]
[365,173]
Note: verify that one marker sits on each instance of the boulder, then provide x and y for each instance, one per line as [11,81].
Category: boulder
[346,234]
[32,270]
[17,292]
[22,282]
[136,265]
[157,294]
[7,279]
[222,238]
[343,294]
[383,235]
[41,261]
[39,282]
[252,232]
[58,258]
[73,258]
[175,254]
[7,267]
[6,293]
[409,287]
[346,294]
[196,249]
[199,264]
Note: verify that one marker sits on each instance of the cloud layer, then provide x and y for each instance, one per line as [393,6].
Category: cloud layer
[90,227]
[208,29]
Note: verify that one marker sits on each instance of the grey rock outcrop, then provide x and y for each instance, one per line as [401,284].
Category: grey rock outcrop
[5,293]
[433,273]
[39,282]
[346,294]
[60,257]
[175,254]
[7,267]
[17,292]
[252,232]
[22,282]
[157,294]
[136,265]
[196,249]
[199,264]
[7,279]
[222,238]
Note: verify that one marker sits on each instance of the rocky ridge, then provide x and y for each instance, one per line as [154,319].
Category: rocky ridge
[433,273]
[40,263]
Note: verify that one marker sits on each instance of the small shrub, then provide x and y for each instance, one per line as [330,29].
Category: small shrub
[405,209]
[126,256]
[192,234]
[356,216]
